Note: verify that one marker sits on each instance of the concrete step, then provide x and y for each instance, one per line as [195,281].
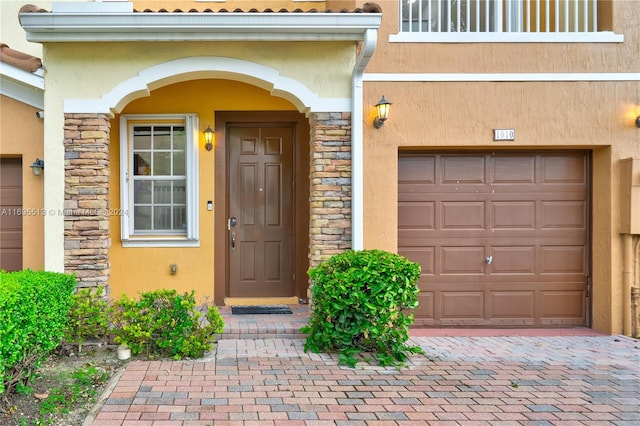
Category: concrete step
[261,326]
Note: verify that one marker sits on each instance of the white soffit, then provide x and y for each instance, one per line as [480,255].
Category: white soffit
[21,85]
[99,22]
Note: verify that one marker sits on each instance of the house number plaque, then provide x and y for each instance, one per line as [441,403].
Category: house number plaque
[504,134]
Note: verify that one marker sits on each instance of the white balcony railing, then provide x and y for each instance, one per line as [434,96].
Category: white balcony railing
[499,16]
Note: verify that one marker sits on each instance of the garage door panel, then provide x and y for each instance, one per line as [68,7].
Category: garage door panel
[514,260]
[463,169]
[10,196]
[562,304]
[11,239]
[416,215]
[416,171]
[514,169]
[423,256]
[514,214]
[518,208]
[462,304]
[426,305]
[10,222]
[461,260]
[512,305]
[462,215]
[12,256]
[563,260]
[564,214]
[563,169]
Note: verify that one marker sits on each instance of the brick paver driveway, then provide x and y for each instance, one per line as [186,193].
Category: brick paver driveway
[522,380]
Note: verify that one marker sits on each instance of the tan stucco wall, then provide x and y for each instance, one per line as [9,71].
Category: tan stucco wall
[21,136]
[144,269]
[509,57]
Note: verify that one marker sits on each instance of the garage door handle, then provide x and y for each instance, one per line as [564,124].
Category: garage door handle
[489,260]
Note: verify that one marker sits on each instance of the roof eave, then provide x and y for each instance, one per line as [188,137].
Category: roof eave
[21,85]
[135,26]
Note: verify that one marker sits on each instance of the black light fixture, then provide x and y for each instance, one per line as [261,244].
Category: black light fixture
[382,112]
[37,167]
[208,138]
[638,121]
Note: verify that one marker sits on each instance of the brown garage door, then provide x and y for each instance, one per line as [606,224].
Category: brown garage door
[501,237]
[10,217]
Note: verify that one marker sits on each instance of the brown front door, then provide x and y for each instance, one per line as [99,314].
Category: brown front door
[11,214]
[501,237]
[260,225]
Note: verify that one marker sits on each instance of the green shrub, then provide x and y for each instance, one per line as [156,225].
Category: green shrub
[165,323]
[33,316]
[88,316]
[360,302]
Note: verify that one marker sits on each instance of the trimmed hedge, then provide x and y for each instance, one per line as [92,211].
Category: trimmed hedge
[34,308]
[362,303]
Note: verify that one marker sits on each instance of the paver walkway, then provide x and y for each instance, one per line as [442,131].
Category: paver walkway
[494,380]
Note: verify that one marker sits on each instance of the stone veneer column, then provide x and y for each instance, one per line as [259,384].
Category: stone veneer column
[86,198]
[330,190]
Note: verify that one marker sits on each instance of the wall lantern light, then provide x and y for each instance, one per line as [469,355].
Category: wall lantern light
[37,167]
[638,121]
[208,138]
[382,112]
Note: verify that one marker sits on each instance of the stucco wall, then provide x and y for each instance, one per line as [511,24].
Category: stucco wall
[108,64]
[21,136]
[509,57]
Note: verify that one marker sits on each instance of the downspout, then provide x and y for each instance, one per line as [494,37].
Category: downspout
[357,135]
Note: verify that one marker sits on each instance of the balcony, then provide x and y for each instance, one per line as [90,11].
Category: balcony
[512,21]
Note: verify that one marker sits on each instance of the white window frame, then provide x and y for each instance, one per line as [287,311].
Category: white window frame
[129,238]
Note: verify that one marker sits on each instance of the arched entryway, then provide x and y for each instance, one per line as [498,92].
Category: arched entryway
[97,174]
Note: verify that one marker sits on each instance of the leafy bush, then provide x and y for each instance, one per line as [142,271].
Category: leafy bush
[33,316]
[360,300]
[88,316]
[165,323]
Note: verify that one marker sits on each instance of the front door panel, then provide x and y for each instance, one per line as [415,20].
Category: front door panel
[260,226]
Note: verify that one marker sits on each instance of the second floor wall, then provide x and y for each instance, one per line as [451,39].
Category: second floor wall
[524,48]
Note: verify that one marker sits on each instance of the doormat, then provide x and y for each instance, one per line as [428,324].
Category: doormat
[260,310]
